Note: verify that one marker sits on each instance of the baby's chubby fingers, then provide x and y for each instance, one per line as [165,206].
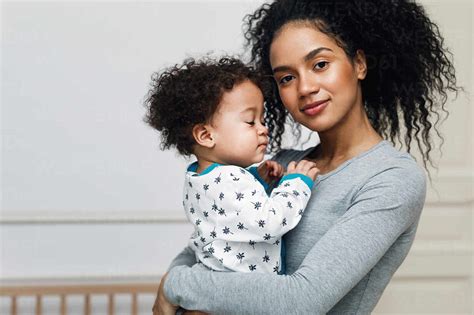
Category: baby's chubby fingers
[304,166]
[291,167]
[313,172]
[275,168]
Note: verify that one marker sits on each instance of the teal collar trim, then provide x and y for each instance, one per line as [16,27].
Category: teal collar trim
[193,168]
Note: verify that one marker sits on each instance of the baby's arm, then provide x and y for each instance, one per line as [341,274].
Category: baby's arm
[247,207]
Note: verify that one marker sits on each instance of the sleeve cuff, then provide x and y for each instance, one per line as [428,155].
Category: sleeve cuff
[308,181]
[254,171]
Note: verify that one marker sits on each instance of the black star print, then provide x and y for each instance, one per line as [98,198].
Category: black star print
[261,223]
[227,248]
[296,193]
[217,180]
[205,187]
[252,267]
[221,212]
[221,196]
[266,258]
[239,196]
[240,256]
[198,222]
[198,196]
[252,243]
[283,223]
[226,230]
[266,237]
[213,234]
[289,205]
[257,205]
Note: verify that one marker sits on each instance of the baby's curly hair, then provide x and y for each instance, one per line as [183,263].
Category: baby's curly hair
[185,95]
[409,68]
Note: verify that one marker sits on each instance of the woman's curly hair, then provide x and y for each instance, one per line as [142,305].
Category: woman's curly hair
[409,69]
[185,95]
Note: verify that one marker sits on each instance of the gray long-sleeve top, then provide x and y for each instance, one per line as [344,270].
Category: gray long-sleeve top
[356,231]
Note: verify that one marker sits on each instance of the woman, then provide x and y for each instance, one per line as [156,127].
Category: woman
[355,72]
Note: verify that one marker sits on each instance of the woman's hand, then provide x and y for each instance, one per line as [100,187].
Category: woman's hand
[162,306]
[304,167]
[270,171]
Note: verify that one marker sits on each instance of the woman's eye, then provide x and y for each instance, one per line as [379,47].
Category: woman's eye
[251,123]
[285,79]
[320,65]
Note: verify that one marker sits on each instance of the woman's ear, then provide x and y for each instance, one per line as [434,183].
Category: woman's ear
[360,63]
[202,134]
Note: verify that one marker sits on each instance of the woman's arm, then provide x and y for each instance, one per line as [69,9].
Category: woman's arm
[386,207]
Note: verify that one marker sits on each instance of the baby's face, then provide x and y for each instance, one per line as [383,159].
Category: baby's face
[238,131]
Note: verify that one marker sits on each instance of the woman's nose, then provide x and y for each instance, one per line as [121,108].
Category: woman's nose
[307,85]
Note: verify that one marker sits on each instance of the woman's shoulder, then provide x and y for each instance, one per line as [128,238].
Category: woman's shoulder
[386,156]
[389,165]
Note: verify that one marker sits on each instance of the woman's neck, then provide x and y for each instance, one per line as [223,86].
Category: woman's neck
[350,138]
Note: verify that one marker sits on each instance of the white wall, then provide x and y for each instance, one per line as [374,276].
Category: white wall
[87,194]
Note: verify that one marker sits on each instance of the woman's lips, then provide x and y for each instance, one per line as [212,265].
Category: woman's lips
[315,108]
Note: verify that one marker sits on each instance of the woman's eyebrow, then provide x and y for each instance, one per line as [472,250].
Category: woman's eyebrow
[314,52]
[306,58]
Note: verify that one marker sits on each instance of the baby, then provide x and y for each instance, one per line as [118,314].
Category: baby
[214,110]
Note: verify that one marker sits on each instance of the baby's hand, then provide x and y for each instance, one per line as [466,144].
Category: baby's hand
[270,171]
[304,167]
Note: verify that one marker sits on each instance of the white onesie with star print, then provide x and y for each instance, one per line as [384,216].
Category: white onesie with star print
[238,227]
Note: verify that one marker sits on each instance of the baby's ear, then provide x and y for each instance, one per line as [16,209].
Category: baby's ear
[203,136]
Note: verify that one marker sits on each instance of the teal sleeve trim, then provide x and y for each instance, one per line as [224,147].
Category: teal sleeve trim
[308,181]
[254,171]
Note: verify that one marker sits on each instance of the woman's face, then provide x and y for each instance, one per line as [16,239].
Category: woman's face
[317,82]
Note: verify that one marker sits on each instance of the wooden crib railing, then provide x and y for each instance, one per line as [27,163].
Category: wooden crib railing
[39,291]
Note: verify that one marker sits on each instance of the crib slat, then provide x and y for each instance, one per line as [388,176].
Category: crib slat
[38,307]
[111,304]
[87,304]
[134,304]
[13,306]
[63,305]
